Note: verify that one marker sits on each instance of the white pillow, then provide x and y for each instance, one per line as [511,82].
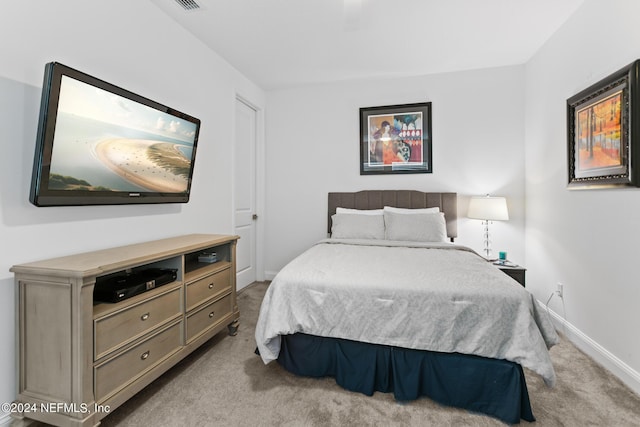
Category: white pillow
[421,227]
[356,226]
[359,211]
[411,211]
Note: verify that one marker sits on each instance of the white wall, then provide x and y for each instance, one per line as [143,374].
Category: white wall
[312,149]
[585,239]
[136,46]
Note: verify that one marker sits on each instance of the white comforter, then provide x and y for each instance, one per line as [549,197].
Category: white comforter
[438,297]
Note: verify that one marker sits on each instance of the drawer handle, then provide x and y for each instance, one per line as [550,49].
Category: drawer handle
[144,317]
[211,314]
[144,355]
[210,285]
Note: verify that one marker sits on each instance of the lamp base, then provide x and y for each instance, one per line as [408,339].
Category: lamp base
[487,240]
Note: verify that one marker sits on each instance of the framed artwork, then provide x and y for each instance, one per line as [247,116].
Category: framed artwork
[603,129]
[395,139]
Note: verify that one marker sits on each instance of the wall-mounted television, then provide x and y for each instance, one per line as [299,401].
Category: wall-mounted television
[99,144]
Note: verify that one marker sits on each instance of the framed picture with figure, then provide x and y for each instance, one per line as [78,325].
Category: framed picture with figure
[396,139]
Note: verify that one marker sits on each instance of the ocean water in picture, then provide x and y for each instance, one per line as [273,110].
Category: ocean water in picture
[113,157]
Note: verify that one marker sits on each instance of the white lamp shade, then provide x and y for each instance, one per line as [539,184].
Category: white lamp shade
[488,208]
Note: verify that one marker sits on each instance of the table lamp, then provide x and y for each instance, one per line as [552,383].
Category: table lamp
[488,208]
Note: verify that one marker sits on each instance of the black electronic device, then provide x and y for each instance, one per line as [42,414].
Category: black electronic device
[99,144]
[122,286]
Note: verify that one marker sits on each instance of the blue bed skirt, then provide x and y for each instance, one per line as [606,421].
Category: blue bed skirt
[489,386]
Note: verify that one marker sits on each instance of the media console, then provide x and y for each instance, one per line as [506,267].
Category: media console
[79,359]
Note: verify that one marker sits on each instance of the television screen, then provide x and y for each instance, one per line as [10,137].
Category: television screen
[99,144]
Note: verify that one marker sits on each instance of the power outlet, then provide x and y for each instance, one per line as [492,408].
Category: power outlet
[559,289]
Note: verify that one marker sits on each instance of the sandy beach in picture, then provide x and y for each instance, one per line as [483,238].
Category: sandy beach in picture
[154,165]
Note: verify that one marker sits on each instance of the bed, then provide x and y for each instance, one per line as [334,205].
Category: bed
[389,303]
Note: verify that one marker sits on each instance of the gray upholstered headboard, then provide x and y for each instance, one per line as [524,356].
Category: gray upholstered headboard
[377,199]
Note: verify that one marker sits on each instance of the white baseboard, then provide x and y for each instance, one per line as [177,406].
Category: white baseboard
[5,419]
[269,275]
[600,354]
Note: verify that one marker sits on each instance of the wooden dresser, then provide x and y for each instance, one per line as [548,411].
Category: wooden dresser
[79,359]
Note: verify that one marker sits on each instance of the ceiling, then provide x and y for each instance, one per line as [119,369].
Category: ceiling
[285,43]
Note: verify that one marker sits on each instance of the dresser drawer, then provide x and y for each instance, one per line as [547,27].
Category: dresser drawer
[121,327]
[208,287]
[115,373]
[207,316]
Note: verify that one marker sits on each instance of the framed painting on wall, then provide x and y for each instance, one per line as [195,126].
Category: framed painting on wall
[395,139]
[603,129]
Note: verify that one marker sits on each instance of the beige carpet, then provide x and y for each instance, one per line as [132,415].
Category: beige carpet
[225,384]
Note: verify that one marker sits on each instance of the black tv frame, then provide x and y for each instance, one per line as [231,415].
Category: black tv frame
[41,195]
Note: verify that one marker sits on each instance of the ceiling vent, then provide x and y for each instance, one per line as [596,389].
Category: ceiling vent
[188,4]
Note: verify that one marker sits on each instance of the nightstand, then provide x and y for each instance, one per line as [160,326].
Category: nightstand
[515,271]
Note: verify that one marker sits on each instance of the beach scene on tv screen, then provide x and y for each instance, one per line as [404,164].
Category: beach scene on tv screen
[105,142]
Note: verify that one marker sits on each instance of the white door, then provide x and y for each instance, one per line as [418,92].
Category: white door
[245,193]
